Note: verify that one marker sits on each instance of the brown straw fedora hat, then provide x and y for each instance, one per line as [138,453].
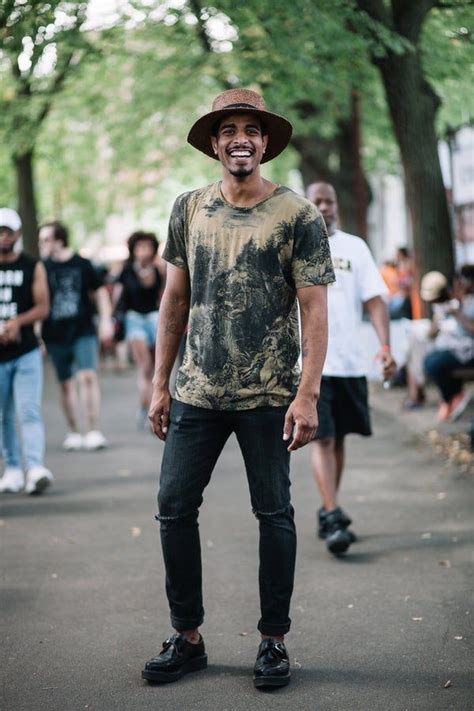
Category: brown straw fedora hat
[241,101]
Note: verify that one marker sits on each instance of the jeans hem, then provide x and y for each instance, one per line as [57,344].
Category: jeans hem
[272,629]
[181,624]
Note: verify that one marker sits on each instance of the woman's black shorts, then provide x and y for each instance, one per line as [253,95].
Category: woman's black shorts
[343,407]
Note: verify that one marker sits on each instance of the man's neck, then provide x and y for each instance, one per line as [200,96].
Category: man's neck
[247,191]
[63,255]
[9,257]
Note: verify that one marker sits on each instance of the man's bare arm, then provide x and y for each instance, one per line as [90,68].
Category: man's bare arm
[301,414]
[378,314]
[39,310]
[174,312]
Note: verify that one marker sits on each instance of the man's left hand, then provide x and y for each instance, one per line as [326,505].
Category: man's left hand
[302,420]
[11,331]
[106,330]
[389,367]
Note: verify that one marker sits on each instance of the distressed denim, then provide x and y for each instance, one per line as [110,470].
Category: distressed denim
[195,439]
[21,386]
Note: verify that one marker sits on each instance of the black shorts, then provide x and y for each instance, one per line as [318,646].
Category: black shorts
[343,407]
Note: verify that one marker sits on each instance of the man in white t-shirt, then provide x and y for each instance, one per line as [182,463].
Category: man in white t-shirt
[343,404]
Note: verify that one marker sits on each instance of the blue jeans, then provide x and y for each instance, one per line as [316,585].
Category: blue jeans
[439,366]
[21,387]
[195,439]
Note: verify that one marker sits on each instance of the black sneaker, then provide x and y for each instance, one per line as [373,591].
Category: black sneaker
[272,667]
[177,657]
[322,528]
[338,537]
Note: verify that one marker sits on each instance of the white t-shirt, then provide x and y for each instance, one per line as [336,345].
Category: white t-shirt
[357,281]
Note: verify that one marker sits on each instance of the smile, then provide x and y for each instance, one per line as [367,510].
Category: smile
[240,154]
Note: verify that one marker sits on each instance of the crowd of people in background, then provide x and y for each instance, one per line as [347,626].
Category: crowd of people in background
[90,308]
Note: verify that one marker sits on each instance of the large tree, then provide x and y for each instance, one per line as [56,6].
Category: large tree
[413,105]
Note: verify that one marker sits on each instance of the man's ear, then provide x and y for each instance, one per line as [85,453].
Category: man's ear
[214,144]
[265,142]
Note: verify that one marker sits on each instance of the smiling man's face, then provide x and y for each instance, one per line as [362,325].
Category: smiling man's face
[240,144]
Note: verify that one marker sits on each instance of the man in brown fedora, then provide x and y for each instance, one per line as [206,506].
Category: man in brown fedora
[239,252]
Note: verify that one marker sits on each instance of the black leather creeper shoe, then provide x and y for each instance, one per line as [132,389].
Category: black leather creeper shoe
[177,657]
[272,667]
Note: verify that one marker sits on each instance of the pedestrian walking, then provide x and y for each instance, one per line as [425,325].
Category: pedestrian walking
[24,300]
[137,292]
[239,252]
[69,333]
[343,402]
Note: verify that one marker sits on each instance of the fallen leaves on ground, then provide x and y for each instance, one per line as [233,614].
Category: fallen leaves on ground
[455,448]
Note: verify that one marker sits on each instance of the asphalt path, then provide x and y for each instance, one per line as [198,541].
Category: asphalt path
[388,626]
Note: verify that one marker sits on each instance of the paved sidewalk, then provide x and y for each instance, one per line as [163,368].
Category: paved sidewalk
[82,588]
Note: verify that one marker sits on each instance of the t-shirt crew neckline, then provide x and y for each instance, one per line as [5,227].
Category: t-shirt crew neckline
[247,209]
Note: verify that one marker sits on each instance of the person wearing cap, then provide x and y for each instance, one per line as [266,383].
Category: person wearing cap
[240,252]
[434,290]
[454,346]
[343,406]
[24,300]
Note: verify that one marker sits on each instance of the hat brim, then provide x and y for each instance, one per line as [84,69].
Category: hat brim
[277,128]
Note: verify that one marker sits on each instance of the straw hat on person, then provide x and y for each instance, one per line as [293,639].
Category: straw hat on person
[241,101]
[432,286]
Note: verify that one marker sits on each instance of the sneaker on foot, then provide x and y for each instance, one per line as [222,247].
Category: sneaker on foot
[72,442]
[338,538]
[12,481]
[177,657]
[458,405]
[95,440]
[322,528]
[272,667]
[37,480]
[444,411]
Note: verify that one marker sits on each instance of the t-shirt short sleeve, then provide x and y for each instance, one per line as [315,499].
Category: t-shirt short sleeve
[371,283]
[92,278]
[311,264]
[175,248]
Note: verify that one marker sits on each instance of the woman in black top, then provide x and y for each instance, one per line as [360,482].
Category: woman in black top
[137,294]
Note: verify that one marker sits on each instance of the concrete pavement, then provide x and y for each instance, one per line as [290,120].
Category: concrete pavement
[82,585]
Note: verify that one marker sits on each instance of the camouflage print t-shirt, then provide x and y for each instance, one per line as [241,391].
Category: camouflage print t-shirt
[244,266]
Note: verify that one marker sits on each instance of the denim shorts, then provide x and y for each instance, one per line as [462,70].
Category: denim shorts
[82,354]
[141,327]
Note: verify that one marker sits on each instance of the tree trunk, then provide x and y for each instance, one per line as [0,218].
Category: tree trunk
[413,105]
[26,201]
[335,161]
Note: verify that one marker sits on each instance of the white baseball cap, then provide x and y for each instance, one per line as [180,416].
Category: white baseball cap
[432,286]
[10,218]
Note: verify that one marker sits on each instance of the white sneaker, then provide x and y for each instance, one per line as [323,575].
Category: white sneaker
[73,442]
[95,440]
[37,480]
[12,481]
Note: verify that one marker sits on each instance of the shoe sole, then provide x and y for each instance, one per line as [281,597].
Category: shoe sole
[166,677]
[40,486]
[271,681]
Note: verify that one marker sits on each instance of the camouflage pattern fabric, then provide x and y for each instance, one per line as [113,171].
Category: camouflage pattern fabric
[244,265]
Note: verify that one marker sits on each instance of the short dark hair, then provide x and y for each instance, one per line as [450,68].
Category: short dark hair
[60,231]
[141,236]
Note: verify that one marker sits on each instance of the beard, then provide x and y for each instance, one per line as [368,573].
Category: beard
[241,172]
[6,249]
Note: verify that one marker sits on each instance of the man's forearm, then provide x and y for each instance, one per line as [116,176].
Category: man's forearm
[37,313]
[172,322]
[314,339]
[378,314]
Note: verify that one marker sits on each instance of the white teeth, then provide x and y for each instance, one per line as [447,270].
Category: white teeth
[240,154]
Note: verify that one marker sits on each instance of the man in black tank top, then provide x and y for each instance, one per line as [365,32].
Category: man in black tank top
[24,299]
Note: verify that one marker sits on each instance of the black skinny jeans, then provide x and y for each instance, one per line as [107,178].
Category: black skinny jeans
[195,439]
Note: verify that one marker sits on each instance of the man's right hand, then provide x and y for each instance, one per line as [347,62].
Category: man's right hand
[159,412]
